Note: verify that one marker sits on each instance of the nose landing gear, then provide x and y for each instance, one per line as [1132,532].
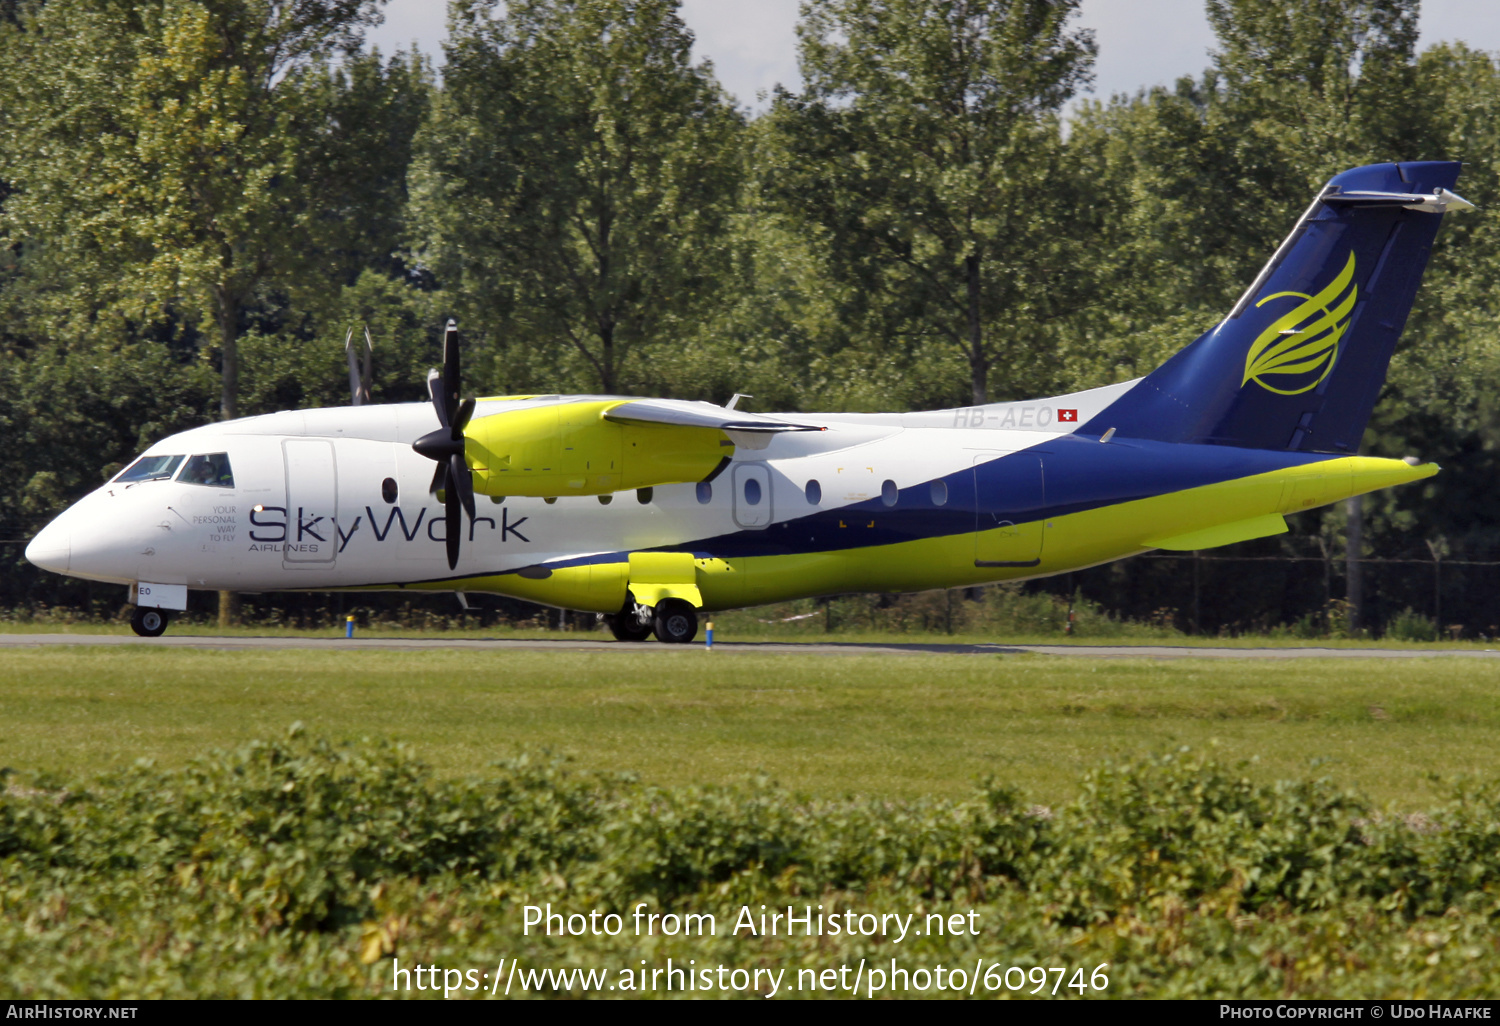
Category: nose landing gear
[149,622]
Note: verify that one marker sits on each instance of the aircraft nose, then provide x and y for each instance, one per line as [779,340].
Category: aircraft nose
[51,549]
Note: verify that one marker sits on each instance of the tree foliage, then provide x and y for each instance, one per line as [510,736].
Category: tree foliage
[926,146]
[176,154]
[575,184]
[201,189]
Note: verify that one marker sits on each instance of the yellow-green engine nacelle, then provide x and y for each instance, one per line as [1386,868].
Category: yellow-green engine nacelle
[571,449]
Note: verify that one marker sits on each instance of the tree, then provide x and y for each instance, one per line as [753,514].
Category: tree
[182,162]
[1328,82]
[926,146]
[1203,181]
[164,155]
[574,184]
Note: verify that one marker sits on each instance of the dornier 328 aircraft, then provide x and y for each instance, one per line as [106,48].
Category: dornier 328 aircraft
[652,510]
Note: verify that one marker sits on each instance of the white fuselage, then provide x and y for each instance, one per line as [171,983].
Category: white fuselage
[309,505]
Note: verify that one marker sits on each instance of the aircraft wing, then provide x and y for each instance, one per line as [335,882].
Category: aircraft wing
[749,430]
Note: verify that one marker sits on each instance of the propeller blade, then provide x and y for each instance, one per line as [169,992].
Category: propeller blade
[355,398]
[461,421]
[445,446]
[450,368]
[455,522]
[461,480]
[435,390]
[367,368]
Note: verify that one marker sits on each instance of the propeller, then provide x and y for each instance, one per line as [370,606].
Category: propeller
[445,446]
[360,377]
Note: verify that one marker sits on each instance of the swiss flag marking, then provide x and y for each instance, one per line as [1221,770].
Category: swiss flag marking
[1067,416]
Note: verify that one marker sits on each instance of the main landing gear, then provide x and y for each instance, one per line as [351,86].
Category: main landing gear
[148,622]
[673,621]
[633,623]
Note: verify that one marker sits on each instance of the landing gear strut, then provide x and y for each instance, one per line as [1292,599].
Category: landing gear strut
[676,622]
[148,622]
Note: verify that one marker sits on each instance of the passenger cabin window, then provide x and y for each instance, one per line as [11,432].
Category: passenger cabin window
[889,493]
[814,493]
[940,493]
[210,469]
[149,468]
[643,496]
[705,493]
[752,492]
[388,491]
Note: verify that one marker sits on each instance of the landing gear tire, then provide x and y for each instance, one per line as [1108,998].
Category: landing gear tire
[149,623]
[676,622]
[632,623]
[625,627]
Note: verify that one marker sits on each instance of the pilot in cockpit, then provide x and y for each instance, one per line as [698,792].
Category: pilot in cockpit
[211,469]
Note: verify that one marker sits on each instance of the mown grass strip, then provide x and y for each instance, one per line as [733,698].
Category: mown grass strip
[871,725]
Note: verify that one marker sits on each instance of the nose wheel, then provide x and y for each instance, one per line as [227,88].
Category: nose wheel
[147,622]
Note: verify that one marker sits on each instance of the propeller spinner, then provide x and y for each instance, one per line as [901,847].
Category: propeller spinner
[445,446]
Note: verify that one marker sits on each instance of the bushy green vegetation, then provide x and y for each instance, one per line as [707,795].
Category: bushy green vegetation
[1410,626]
[300,868]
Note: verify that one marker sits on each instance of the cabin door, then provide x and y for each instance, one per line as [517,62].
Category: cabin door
[312,505]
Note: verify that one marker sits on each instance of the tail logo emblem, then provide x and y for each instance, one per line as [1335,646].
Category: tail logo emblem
[1299,348]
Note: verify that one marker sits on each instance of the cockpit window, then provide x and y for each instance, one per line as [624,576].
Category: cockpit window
[149,468]
[210,469]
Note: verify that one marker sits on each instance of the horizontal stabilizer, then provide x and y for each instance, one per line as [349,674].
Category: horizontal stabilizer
[1224,534]
[1440,201]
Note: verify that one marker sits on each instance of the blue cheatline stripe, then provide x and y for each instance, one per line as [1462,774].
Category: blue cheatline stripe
[1077,473]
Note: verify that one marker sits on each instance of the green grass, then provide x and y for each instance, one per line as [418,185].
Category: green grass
[879,725]
[732,627]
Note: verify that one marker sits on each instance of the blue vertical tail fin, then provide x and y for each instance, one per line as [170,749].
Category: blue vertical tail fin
[1300,360]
